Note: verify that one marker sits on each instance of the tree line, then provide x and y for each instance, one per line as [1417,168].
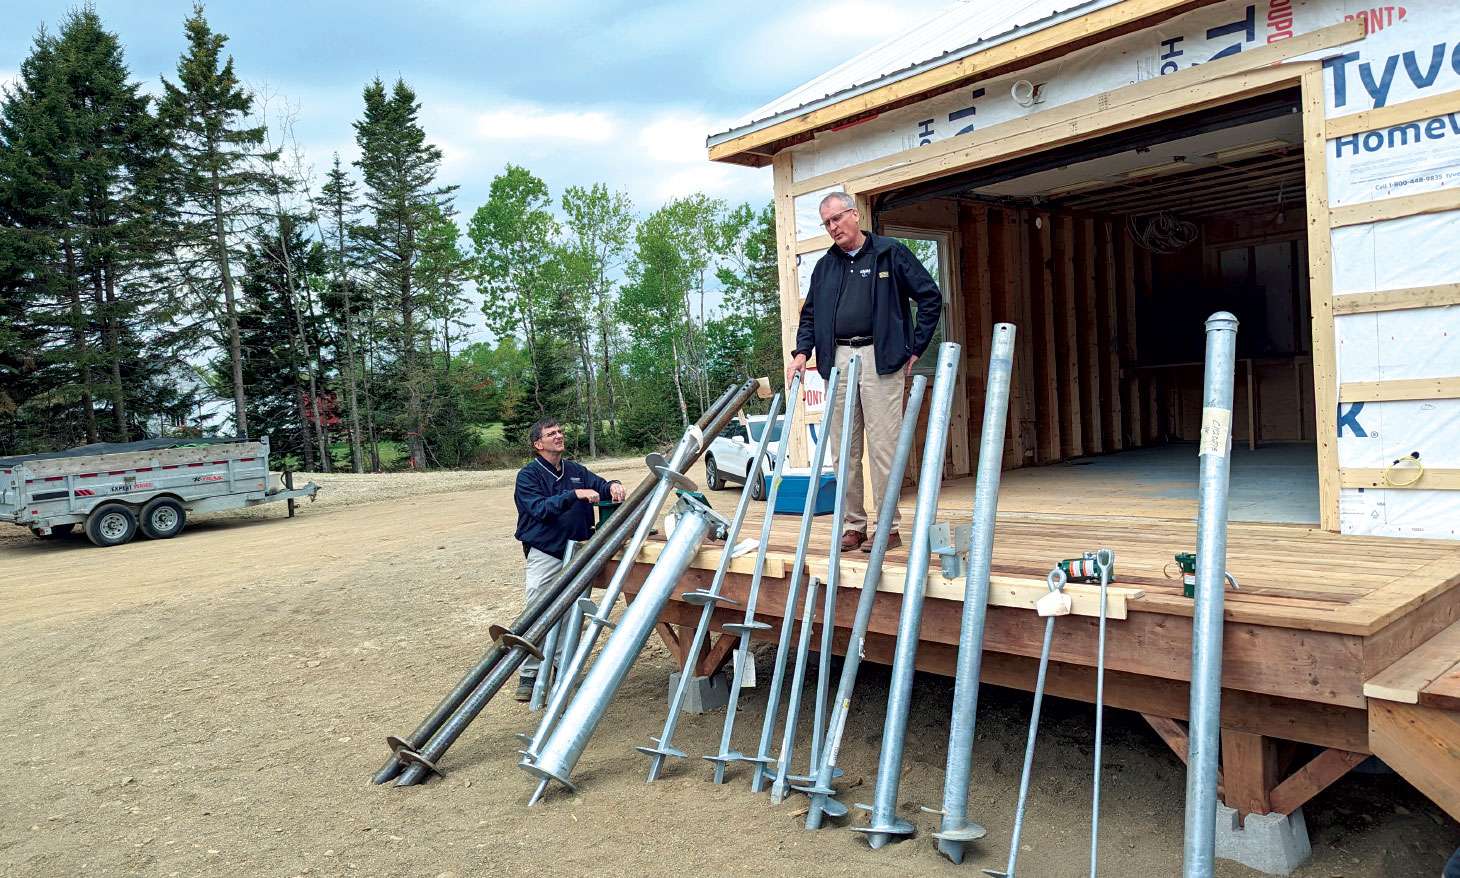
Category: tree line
[167,257]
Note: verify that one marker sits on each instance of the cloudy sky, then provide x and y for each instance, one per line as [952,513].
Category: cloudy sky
[579,92]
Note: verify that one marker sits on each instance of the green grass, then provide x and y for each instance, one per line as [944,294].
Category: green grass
[489,434]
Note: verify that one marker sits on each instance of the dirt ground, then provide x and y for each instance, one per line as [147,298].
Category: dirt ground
[214,705]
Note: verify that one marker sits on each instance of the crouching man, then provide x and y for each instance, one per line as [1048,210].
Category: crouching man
[555,500]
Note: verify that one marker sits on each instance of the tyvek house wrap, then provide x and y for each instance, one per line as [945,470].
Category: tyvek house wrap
[1412,51]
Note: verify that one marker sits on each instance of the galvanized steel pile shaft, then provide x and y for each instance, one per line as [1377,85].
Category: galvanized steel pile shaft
[749,624]
[1105,560]
[711,597]
[504,659]
[560,752]
[798,681]
[572,630]
[544,676]
[826,756]
[422,760]
[793,589]
[1056,581]
[833,576]
[955,832]
[1211,566]
[581,577]
[685,453]
[543,599]
[823,683]
[884,823]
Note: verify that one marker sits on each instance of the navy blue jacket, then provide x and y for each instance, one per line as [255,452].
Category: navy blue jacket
[901,280]
[548,512]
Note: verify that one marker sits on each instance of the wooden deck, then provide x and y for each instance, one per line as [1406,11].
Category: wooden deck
[1318,615]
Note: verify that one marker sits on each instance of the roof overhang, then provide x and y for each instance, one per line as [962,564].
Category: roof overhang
[754,144]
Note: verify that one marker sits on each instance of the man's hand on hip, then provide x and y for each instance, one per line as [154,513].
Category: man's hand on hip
[798,364]
[587,494]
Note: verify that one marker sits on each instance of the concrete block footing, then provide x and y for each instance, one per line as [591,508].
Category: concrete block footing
[1274,844]
[703,695]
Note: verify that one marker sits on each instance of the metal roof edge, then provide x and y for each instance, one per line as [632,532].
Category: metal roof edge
[912,70]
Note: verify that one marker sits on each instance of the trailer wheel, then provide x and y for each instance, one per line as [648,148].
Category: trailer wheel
[163,518]
[111,524]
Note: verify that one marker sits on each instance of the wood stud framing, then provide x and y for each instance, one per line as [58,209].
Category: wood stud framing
[1073,284]
[1438,296]
[1396,208]
[1069,283]
[1320,292]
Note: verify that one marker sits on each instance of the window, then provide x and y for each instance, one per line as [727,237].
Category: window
[757,427]
[1263,286]
[930,248]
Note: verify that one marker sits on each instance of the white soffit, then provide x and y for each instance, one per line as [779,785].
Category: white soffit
[965,29]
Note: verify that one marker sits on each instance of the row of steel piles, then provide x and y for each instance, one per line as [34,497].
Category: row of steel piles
[558,754]
[559,742]
[745,629]
[780,776]
[555,757]
[710,598]
[415,756]
[1214,456]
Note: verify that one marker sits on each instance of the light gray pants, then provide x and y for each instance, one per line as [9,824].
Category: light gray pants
[877,410]
[541,568]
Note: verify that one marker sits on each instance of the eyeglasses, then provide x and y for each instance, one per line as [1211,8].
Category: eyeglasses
[828,223]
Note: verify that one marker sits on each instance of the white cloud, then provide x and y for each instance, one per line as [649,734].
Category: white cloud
[715,180]
[538,123]
[675,137]
[783,52]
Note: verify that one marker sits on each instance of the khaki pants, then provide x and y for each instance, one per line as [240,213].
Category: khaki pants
[541,568]
[877,410]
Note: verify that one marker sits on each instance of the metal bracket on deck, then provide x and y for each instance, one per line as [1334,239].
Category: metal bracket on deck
[950,544]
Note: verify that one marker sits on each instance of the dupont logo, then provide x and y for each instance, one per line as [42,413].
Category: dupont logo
[1376,18]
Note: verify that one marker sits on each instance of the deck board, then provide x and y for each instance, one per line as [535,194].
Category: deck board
[1292,576]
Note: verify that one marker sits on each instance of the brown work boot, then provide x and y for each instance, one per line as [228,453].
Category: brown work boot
[852,539]
[894,541]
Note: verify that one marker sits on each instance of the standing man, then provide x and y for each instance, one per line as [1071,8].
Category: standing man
[555,500]
[861,302]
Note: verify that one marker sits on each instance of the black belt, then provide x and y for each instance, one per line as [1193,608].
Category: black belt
[856,341]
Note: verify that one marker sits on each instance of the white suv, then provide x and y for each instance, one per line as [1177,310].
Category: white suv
[728,459]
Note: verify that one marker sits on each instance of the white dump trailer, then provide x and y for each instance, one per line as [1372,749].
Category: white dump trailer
[115,490]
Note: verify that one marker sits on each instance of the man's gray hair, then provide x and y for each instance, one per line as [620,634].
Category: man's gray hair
[847,201]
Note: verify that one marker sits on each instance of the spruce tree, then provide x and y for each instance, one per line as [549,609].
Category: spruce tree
[336,210]
[277,367]
[401,197]
[33,169]
[217,154]
[81,196]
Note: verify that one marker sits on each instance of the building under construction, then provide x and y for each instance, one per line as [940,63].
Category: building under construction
[1199,283]
[1104,177]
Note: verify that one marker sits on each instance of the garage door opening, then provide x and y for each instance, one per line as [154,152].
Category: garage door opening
[1108,256]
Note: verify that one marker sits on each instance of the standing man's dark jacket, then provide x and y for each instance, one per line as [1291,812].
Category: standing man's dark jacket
[549,513]
[898,279]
